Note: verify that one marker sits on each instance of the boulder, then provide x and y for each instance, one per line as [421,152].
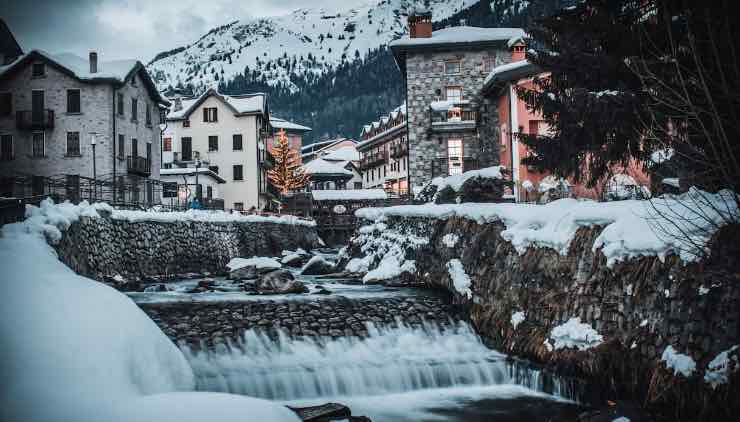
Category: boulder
[244,273]
[279,282]
[294,260]
[317,266]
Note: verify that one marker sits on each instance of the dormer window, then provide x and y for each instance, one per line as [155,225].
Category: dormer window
[452,67]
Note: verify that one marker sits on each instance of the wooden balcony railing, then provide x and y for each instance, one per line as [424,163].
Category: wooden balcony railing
[374,159]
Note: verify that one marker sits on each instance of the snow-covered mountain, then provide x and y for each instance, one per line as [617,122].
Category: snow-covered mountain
[277,48]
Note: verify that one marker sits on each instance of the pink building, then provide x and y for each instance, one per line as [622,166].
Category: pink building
[294,131]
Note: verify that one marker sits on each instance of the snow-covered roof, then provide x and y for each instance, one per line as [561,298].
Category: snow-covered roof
[510,71]
[445,105]
[189,171]
[279,123]
[461,35]
[245,104]
[387,121]
[321,166]
[349,195]
[347,153]
[116,71]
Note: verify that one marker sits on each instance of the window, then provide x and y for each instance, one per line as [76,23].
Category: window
[452,67]
[453,93]
[6,147]
[239,206]
[213,169]
[186,148]
[169,190]
[167,144]
[73,101]
[121,146]
[38,70]
[238,172]
[213,143]
[209,192]
[210,114]
[6,103]
[134,147]
[488,64]
[73,144]
[454,156]
[119,104]
[37,145]
[237,141]
[134,111]
[148,115]
[186,123]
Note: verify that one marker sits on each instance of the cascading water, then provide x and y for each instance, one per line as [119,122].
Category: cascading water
[390,360]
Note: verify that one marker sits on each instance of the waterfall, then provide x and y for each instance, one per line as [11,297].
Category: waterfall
[389,360]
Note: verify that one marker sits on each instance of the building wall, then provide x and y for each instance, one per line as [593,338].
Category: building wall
[245,191]
[425,74]
[394,172]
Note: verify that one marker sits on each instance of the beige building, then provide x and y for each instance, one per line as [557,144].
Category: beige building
[224,133]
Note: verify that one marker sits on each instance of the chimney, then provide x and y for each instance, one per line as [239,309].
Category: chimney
[93,62]
[178,104]
[420,24]
[517,50]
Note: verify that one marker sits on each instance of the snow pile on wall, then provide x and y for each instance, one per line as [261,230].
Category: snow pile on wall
[387,248]
[79,350]
[450,240]
[258,262]
[517,318]
[574,333]
[207,216]
[719,369]
[456,181]
[670,224]
[680,363]
[459,277]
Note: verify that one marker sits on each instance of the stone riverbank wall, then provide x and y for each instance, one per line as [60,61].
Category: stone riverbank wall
[640,307]
[209,323]
[101,248]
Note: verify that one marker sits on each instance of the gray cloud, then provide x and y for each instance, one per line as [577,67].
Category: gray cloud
[140,29]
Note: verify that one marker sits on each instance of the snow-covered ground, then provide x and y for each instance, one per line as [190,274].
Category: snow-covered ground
[78,350]
[680,225]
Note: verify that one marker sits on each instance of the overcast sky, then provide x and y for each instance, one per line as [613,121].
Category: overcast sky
[123,29]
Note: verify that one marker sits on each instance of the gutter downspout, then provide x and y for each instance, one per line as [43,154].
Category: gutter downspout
[514,131]
[114,143]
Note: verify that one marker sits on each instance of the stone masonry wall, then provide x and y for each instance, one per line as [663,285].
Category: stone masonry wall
[640,306]
[210,323]
[103,247]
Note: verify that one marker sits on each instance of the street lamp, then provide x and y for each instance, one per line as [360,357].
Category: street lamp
[93,142]
[197,170]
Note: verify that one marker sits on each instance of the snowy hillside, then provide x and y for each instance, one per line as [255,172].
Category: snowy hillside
[304,41]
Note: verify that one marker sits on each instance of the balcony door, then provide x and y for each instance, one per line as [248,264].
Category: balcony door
[187,149]
[37,105]
[454,156]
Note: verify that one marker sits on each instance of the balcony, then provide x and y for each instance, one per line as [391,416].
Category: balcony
[459,117]
[181,158]
[400,150]
[34,120]
[373,160]
[441,165]
[139,165]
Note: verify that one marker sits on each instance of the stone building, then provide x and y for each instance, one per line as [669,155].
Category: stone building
[384,153]
[61,115]
[444,71]
[226,134]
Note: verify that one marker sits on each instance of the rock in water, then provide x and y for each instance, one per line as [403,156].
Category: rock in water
[280,281]
[293,260]
[317,266]
[244,273]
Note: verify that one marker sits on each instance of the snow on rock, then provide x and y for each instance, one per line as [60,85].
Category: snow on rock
[621,419]
[450,240]
[259,262]
[78,350]
[678,362]
[517,318]
[388,248]
[574,333]
[460,279]
[359,265]
[390,267]
[632,228]
[719,369]
[317,265]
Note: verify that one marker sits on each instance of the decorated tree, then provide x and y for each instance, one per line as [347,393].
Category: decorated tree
[287,174]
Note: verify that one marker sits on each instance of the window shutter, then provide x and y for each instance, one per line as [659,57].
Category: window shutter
[205,114]
[215,114]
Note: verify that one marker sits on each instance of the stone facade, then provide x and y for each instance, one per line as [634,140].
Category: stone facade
[100,248]
[640,306]
[425,82]
[211,323]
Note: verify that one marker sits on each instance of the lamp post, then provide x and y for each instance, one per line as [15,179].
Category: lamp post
[197,169]
[93,142]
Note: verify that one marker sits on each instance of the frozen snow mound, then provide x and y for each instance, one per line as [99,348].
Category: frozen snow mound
[575,334]
[680,225]
[259,262]
[678,362]
[460,279]
[79,350]
[517,318]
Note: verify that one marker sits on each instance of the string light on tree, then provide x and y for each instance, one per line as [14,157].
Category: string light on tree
[287,175]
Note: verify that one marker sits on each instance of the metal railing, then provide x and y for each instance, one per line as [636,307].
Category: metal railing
[139,165]
[32,119]
[399,150]
[373,159]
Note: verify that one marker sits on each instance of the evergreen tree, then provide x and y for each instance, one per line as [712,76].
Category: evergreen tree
[287,175]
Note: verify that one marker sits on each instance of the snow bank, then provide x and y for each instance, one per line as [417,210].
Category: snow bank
[349,195]
[450,240]
[390,267]
[460,279]
[574,333]
[456,181]
[359,265]
[631,228]
[680,363]
[258,262]
[517,318]
[719,369]
[78,350]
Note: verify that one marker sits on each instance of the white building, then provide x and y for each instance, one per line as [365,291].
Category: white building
[180,186]
[224,132]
